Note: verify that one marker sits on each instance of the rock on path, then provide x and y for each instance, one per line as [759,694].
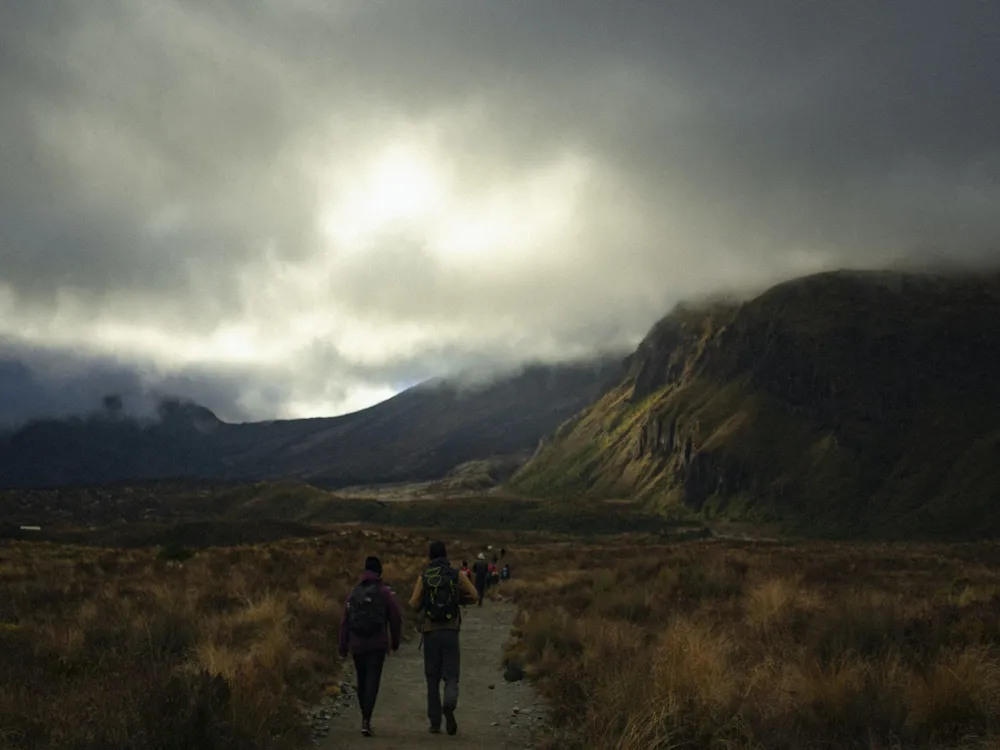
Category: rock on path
[492,714]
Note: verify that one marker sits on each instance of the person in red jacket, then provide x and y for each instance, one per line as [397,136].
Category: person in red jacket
[370,627]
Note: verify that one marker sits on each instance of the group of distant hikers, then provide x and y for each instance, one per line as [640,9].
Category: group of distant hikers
[485,574]
[372,627]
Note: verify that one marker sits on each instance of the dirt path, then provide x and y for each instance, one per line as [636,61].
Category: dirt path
[501,717]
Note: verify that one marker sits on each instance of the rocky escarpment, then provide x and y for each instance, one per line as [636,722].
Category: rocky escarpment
[699,473]
[847,399]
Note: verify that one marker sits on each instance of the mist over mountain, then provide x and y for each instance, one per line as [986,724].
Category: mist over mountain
[422,433]
[844,402]
[54,382]
[302,213]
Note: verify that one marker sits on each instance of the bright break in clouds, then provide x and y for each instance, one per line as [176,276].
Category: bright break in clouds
[296,207]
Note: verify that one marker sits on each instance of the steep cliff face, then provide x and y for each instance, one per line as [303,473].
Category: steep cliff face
[844,400]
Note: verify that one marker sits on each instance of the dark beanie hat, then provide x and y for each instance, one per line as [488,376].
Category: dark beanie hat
[437,550]
[374,565]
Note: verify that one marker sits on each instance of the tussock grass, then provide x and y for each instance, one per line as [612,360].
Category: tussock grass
[765,646]
[634,643]
[109,649]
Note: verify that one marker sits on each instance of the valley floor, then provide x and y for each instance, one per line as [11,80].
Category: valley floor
[632,641]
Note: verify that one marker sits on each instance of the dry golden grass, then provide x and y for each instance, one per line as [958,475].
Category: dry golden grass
[121,649]
[635,644]
[765,646]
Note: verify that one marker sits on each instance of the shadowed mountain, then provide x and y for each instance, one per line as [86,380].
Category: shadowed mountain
[419,434]
[843,402]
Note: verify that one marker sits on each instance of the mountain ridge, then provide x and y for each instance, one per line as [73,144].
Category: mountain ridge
[421,433]
[842,402]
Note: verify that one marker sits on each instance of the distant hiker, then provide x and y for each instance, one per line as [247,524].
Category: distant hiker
[371,625]
[494,572]
[505,572]
[502,552]
[465,569]
[481,574]
[439,592]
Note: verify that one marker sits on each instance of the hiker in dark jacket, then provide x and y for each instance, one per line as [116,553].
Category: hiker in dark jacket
[371,625]
[481,574]
[439,593]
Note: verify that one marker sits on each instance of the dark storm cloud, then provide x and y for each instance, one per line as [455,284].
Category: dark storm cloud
[37,382]
[164,164]
[40,382]
[854,128]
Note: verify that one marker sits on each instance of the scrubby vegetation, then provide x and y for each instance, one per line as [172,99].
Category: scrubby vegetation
[144,649]
[202,516]
[634,643]
[754,646]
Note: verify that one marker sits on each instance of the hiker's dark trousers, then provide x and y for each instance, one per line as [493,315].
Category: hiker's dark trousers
[441,662]
[481,590]
[368,666]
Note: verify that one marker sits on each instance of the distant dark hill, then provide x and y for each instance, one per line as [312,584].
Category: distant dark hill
[838,403]
[421,433]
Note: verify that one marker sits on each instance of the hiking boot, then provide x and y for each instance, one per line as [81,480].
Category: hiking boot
[435,730]
[366,728]
[450,724]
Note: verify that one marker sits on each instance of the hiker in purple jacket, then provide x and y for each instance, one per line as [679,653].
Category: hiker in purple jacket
[371,625]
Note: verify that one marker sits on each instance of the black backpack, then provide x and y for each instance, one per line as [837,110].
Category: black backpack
[366,613]
[440,593]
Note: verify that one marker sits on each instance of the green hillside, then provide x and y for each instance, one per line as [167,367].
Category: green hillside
[842,403]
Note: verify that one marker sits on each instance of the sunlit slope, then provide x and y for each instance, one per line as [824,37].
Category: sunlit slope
[844,402]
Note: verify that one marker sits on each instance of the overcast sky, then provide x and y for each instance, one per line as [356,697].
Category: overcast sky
[299,207]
